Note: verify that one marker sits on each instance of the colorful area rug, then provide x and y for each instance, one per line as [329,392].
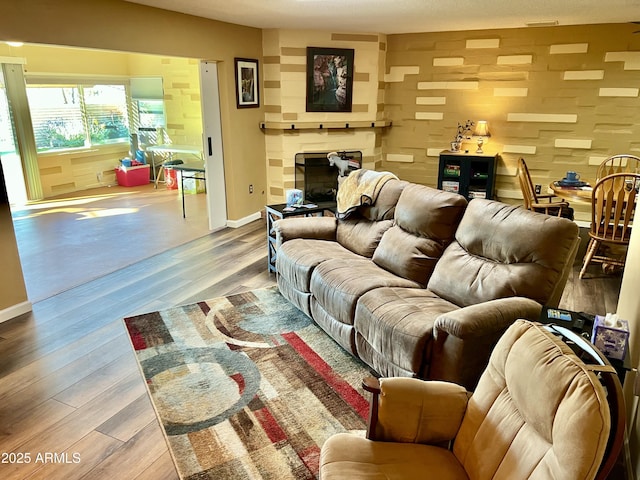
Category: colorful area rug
[246,386]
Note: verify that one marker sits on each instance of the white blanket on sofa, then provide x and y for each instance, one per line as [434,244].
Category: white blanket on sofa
[361,187]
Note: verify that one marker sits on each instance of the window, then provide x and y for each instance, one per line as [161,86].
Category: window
[72,116]
[57,117]
[151,113]
[106,111]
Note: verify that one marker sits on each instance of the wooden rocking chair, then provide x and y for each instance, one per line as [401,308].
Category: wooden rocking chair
[618,164]
[553,205]
[613,205]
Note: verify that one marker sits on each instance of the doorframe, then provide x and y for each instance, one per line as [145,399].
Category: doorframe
[21,167]
[212,145]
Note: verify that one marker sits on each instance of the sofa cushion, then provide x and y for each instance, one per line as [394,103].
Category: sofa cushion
[385,204]
[397,326]
[338,284]
[301,299]
[345,455]
[426,220]
[407,255]
[503,251]
[342,333]
[361,236]
[296,259]
[362,231]
[429,212]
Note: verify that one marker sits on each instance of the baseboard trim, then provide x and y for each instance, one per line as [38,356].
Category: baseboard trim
[15,311]
[243,221]
[583,224]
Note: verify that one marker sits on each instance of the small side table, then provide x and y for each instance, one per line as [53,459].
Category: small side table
[198,174]
[276,212]
[582,324]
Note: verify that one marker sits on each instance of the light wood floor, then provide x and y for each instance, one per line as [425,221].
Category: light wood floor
[69,381]
[69,240]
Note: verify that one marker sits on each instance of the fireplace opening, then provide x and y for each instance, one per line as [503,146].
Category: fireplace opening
[317,179]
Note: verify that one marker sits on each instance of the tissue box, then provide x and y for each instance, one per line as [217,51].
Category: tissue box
[611,341]
[294,197]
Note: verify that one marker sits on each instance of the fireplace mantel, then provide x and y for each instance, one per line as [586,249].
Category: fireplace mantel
[323,125]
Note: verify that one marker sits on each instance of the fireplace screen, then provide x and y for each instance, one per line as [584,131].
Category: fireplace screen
[317,179]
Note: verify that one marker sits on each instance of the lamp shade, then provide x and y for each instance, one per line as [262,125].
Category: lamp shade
[482,129]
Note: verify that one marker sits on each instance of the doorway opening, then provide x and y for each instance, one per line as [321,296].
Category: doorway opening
[79,184]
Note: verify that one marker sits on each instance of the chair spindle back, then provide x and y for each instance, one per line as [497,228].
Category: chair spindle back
[614,201]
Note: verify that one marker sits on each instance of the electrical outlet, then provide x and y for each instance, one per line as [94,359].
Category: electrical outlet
[538,189]
[99,176]
[250,188]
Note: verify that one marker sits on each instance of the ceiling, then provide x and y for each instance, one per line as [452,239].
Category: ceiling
[404,16]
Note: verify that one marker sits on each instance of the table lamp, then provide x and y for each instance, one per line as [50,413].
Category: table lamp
[481,133]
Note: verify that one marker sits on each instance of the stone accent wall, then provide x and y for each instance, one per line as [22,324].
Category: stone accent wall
[182,102]
[285,57]
[564,98]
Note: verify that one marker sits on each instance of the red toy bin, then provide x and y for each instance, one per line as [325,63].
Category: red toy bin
[133,176]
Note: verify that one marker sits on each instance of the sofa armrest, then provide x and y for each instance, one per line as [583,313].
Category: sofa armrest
[319,228]
[464,338]
[416,411]
[487,317]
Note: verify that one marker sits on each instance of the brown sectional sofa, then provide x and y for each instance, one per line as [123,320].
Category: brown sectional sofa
[423,283]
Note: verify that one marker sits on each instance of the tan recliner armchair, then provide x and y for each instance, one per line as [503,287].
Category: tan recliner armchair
[538,412]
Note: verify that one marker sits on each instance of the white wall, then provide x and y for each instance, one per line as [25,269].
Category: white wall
[629,309]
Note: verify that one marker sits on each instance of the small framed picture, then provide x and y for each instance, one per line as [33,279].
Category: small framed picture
[247,85]
[329,79]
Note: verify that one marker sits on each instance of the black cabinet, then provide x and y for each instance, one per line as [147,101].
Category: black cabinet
[470,175]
